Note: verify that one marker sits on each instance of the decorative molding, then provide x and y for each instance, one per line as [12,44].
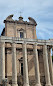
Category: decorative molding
[20,29]
[24,40]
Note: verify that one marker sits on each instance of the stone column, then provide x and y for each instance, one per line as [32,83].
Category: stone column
[36,62]
[3,60]
[25,66]
[52,53]
[50,64]
[14,68]
[46,65]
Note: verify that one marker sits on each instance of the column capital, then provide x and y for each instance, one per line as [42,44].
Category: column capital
[35,44]
[24,42]
[45,44]
[14,45]
[24,45]
[2,44]
[49,47]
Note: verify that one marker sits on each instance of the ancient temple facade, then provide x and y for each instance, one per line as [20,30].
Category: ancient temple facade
[24,59]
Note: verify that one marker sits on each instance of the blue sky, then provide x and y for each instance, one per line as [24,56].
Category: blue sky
[40,10]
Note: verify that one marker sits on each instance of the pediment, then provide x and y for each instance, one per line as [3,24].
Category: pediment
[21,29]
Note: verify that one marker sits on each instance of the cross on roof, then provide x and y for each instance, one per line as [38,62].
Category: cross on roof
[20,13]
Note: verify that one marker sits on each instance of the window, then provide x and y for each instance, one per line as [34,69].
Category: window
[21,68]
[21,35]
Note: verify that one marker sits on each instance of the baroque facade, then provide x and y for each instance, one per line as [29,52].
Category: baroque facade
[24,59]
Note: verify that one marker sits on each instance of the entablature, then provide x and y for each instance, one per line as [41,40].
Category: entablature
[25,40]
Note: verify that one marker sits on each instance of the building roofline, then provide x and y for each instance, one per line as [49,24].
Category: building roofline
[19,22]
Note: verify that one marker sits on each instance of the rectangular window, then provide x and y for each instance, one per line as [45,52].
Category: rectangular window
[21,35]
[21,68]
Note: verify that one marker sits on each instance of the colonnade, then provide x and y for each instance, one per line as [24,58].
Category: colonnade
[47,66]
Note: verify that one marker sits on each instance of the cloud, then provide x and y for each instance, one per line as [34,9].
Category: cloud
[40,10]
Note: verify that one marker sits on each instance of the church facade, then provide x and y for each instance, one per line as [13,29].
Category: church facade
[24,59]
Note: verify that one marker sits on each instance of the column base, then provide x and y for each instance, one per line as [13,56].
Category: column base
[38,85]
[48,85]
[26,85]
[14,84]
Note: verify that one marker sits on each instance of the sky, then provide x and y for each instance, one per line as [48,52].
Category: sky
[40,10]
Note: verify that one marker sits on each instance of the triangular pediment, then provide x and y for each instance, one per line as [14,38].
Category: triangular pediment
[21,29]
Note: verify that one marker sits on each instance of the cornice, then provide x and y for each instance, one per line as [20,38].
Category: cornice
[19,22]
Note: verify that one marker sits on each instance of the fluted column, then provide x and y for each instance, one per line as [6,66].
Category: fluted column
[14,68]
[36,63]
[3,60]
[46,66]
[25,66]
[50,64]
